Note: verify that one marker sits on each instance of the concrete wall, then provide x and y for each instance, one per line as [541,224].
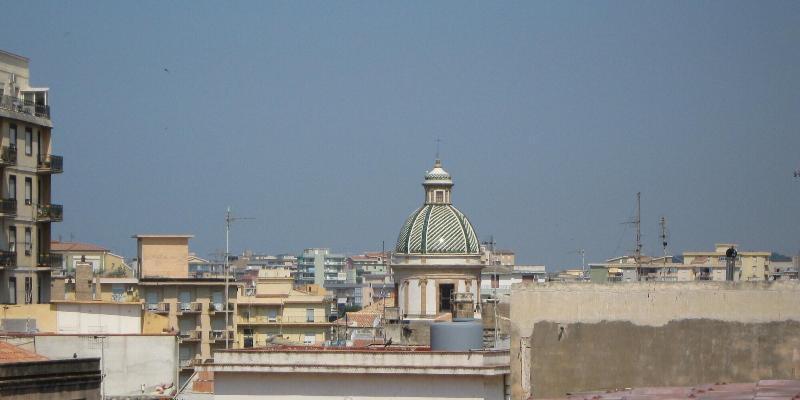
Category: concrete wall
[235,386]
[130,360]
[565,335]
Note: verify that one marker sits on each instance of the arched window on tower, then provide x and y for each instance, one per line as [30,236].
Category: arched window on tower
[440,196]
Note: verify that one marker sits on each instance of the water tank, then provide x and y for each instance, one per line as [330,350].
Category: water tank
[459,335]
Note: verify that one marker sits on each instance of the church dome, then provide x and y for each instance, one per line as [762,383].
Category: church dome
[437,227]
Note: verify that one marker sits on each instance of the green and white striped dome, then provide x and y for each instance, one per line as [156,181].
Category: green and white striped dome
[437,227]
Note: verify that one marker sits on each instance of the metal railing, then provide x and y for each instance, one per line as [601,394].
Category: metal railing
[50,212]
[190,307]
[20,105]
[291,319]
[8,155]
[158,307]
[52,260]
[189,335]
[8,207]
[219,307]
[51,163]
[8,258]
[220,335]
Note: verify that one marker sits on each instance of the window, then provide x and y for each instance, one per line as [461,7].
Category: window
[28,243]
[309,339]
[12,186]
[12,137]
[28,290]
[28,141]
[309,315]
[28,191]
[272,315]
[12,290]
[12,239]
[439,196]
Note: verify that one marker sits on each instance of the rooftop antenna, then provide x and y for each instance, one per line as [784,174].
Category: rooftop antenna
[438,142]
[637,222]
[229,218]
[663,223]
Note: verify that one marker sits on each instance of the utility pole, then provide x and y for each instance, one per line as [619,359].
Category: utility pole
[226,270]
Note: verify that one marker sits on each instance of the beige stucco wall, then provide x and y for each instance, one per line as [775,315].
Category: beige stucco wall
[655,333]
[166,257]
[44,314]
[241,386]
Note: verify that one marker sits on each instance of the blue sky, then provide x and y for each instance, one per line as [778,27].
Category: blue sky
[318,119]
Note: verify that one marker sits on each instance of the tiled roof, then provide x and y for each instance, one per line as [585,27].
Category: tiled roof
[12,354]
[359,319]
[75,246]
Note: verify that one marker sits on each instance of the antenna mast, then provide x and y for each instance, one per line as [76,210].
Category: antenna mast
[663,224]
[229,218]
[638,222]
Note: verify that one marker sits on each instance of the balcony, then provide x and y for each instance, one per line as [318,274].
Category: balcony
[50,260]
[278,320]
[189,363]
[8,156]
[23,106]
[158,308]
[190,308]
[189,336]
[8,207]
[49,213]
[216,335]
[8,258]
[219,307]
[50,164]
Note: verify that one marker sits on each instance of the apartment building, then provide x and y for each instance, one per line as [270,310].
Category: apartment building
[102,260]
[273,311]
[751,265]
[696,266]
[319,266]
[195,307]
[26,168]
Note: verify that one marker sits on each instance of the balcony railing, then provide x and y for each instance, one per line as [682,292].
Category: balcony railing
[50,260]
[220,335]
[187,308]
[188,336]
[219,307]
[8,258]
[50,212]
[290,319]
[158,308]
[8,207]
[8,155]
[23,106]
[50,163]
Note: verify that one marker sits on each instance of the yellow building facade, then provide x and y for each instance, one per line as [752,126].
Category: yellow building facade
[272,311]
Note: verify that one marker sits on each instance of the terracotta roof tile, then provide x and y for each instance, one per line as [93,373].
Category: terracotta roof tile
[75,246]
[12,354]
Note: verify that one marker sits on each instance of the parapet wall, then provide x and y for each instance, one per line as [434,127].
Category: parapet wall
[571,337]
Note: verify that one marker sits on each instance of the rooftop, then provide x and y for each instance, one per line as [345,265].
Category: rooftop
[75,246]
[765,389]
[13,354]
[153,235]
[364,360]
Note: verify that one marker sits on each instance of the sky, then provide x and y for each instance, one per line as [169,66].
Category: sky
[319,120]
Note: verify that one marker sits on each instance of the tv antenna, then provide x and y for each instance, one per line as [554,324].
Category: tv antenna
[229,218]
